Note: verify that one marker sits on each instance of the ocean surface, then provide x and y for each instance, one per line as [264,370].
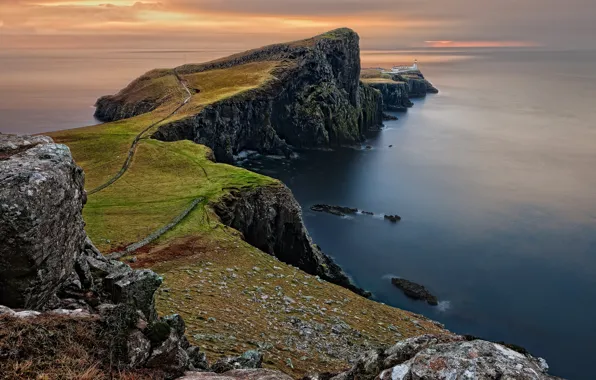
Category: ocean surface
[494,177]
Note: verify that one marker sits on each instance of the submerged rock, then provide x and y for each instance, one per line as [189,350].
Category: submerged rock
[393,218]
[41,224]
[415,291]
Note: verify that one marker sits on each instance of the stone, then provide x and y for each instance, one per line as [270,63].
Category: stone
[335,210]
[393,218]
[169,356]
[238,374]
[138,349]
[429,357]
[6,310]
[250,359]
[41,224]
[197,359]
[137,288]
[415,291]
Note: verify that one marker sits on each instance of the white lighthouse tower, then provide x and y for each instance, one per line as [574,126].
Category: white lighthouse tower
[415,66]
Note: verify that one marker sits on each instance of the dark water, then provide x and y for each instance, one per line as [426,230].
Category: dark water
[495,180]
[494,177]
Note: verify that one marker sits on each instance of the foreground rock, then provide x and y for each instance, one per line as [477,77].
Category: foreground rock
[431,357]
[270,219]
[47,263]
[41,226]
[415,291]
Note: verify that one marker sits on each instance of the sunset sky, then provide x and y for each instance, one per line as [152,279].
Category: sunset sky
[382,24]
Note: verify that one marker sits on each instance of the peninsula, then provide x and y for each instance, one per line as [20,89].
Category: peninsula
[219,252]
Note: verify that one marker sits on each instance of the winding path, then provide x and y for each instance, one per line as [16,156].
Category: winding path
[135,143]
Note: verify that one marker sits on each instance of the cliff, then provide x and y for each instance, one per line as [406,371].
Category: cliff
[270,219]
[309,96]
[396,95]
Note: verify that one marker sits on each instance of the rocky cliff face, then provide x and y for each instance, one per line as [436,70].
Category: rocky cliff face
[316,100]
[41,225]
[270,219]
[418,86]
[395,96]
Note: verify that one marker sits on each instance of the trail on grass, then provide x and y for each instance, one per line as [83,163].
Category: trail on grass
[135,143]
[156,234]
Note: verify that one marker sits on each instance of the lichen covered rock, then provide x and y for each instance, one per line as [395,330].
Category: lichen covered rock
[430,357]
[41,225]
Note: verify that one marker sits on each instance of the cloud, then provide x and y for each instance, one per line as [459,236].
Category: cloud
[382,24]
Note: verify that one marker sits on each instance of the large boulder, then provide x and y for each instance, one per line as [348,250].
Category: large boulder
[41,224]
[430,357]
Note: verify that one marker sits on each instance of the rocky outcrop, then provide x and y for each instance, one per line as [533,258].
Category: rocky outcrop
[315,100]
[270,219]
[41,225]
[415,291]
[417,85]
[334,210]
[395,96]
[429,357]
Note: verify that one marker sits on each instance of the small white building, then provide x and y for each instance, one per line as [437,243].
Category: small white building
[402,69]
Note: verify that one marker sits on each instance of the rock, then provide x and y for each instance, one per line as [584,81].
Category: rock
[6,310]
[367,213]
[414,290]
[41,225]
[270,219]
[430,357]
[395,95]
[388,117]
[238,374]
[169,356]
[250,359]
[468,360]
[335,210]
[393,218]
[137,288]
[197,359]
[138,349]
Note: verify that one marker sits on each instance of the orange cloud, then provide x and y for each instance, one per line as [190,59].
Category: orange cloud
[479,44]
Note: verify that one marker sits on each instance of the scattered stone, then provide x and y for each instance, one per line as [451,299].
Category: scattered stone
[393,218]
[250,359]
[415,291]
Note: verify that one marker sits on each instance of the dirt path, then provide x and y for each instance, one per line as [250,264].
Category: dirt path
[135,143]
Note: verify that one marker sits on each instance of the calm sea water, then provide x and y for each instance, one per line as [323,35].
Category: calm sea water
[494,177]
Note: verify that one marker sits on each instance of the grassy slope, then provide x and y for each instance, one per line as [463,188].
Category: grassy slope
[229,306]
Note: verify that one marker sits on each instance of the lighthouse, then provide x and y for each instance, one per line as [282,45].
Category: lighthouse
[415,66]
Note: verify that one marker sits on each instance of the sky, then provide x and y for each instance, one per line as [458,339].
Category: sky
[382,24]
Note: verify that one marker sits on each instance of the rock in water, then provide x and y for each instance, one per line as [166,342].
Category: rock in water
[335,210]
[41,224]
[393,218]
[414,290]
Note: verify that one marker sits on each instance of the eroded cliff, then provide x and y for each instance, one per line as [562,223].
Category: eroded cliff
[312,98]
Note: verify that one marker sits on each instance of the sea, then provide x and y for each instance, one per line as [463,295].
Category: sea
[494,178]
